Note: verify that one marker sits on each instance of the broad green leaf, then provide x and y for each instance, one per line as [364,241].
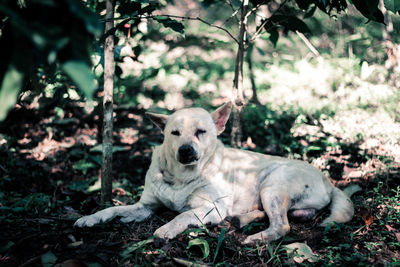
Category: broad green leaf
[291,23]
[202,244]
[273,36]
[48,259]
[301,252]
[82,75]
[89,18]
[392,5]
[84,165]
[369,9]
[10,87]
[171,23]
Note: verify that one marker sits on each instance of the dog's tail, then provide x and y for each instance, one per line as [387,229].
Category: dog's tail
[342,209]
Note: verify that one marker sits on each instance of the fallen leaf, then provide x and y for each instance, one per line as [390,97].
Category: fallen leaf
[301,252]
[366,215]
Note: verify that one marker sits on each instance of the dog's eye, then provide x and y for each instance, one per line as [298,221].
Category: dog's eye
[200,132]
[177,133]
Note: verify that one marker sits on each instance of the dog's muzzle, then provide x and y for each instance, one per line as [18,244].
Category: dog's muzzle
[187,154]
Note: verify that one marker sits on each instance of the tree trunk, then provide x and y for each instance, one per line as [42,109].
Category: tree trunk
[238,102]
[106,170]
[249,59]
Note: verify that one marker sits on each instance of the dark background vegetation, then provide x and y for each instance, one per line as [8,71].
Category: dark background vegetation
[333,104]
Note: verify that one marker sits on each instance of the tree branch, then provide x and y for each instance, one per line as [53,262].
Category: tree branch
[183,18]
[258,32]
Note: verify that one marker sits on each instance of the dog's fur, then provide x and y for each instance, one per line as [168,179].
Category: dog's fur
[194,174]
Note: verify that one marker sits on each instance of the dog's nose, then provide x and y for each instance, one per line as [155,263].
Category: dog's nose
[186,150]
[187,154]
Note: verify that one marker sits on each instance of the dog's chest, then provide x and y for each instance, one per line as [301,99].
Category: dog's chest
[175,196]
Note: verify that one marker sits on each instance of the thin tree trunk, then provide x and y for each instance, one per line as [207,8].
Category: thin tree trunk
[106,170]
[249,59]
[238,103]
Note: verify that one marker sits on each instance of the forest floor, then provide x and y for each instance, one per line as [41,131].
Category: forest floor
[49,168]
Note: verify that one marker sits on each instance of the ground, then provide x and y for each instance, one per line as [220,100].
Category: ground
[50,162]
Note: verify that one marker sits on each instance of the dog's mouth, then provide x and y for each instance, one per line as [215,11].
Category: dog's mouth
[188,161]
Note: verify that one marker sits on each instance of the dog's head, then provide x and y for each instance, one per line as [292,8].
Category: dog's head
[191,133]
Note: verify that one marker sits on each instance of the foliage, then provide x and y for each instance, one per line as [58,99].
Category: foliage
[44,34]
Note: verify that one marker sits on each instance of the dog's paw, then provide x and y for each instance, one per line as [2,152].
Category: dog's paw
[165,232]
[87,221]
[98,217]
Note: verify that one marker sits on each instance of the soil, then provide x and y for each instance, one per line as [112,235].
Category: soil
[44,190]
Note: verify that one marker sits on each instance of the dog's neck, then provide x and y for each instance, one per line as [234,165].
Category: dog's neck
[177,174]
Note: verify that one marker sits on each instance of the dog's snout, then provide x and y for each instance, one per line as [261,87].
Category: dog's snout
[187,154]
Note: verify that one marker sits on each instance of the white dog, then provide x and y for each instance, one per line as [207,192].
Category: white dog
[194,174]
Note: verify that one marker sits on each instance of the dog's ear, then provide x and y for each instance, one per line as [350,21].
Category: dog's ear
[221,116]
[160,120]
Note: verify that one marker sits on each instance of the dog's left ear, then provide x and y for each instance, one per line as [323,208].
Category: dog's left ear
[160,120]
[221,116]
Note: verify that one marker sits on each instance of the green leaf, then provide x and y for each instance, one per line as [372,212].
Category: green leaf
[273,36]
[220,239]
[310,12]
[202,244]
[48,259]
[10,87]
[392,5]
[82,75]
[291,23]
[171,23]
[369,9]
[89,18]
[115,149]
[136,246]
[83,166]
[301,252]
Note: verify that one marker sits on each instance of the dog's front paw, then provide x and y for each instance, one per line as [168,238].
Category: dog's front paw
[98,217]
[87,221]
[165,232]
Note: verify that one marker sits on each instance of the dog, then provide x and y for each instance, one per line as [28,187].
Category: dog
[193,173]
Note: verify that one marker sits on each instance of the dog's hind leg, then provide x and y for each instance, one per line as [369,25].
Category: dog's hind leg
[276,205]
[238,221]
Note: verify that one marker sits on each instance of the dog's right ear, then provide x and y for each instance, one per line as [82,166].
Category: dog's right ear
[160,120]
[221,116]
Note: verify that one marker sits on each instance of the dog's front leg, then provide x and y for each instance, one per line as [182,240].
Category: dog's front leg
[137,212]
[196,217]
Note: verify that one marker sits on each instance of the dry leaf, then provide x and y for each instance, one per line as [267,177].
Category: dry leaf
[366,215]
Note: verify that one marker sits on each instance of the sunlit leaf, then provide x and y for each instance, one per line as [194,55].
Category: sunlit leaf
[10,87]
[82,75]
[301,252]
[202,244]
[115,149]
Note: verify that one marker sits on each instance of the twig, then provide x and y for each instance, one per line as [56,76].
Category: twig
[257,33]
[233,9]
[182,18]
[308,44]
[3,169]
[255,8]
[231,16]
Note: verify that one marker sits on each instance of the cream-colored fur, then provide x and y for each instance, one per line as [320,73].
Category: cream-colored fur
[216,182]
